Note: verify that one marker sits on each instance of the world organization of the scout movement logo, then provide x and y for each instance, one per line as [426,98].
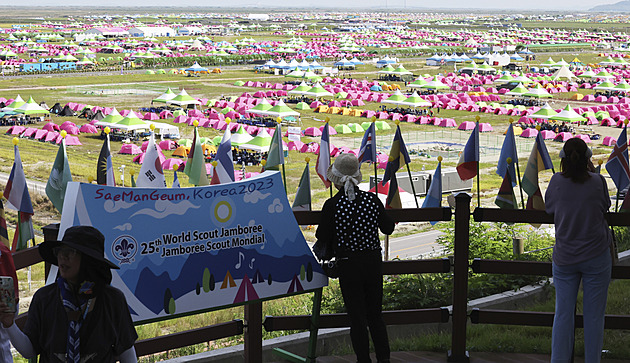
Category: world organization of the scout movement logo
[124,249]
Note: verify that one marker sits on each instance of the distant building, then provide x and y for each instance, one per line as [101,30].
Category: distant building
[109,32]
[258,17]
[190,30]
[155,31]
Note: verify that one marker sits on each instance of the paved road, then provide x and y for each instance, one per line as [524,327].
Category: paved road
[419,245]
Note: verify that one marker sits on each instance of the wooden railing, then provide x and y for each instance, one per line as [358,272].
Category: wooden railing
[251,327]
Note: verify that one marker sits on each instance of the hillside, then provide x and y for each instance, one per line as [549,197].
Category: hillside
[622,6]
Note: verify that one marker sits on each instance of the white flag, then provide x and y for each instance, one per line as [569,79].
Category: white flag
[151,174]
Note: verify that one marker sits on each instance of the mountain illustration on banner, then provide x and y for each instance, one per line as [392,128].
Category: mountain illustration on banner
[208,247]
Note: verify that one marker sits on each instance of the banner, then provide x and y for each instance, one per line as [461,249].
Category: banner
[184,250]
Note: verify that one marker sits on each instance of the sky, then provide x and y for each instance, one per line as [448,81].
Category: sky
[563,5]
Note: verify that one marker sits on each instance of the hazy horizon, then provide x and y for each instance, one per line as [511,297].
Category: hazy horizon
[367,5]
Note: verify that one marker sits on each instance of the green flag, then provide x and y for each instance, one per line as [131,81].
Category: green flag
[196,166]
[303,196]
[133,181]
[275,156]
[59,177]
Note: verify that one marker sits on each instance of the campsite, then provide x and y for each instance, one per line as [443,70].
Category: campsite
[82,79]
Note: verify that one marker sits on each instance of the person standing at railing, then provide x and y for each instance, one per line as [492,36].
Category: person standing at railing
[578,199]
[80,317]
[352,219]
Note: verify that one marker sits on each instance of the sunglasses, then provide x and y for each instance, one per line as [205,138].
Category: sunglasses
[65,252]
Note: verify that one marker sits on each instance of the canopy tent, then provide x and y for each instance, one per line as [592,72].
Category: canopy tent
[545,112]
[568,115]
[31,107]
[166,96]
[183,99]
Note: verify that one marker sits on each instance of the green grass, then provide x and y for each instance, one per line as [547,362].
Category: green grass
[522,339]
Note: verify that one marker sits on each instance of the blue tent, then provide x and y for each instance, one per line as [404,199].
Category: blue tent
[376,88]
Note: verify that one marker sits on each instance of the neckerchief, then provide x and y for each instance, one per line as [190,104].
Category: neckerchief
[76,303]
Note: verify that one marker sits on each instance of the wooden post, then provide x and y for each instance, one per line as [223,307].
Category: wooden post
[253,332]
[459,317]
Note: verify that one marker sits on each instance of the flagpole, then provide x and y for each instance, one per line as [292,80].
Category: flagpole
[375,157]
[518,182]
[284,177]
[413,188]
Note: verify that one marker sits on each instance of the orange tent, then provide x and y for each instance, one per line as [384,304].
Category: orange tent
[181,151]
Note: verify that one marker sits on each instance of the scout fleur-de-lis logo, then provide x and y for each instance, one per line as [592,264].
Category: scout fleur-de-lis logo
[124,249]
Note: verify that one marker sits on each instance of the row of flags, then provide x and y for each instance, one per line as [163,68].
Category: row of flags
[152,175]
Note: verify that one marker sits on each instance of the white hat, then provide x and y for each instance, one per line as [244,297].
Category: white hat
[346,172]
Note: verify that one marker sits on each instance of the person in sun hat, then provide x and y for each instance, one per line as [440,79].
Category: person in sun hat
[578,199]
[80,317]
[352,219]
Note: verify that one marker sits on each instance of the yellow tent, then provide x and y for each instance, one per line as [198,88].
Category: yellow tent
[356,112]
[577,96]
[517,130]
[333,110]
[217,70]
[345,111]
[321,108]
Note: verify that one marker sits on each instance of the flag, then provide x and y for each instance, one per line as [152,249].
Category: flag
[59,177]
[393,194]
[16,192]
[175,181]
[506,198]
[323,158]
[398,155]
[151,174]
[303,196]
[434,194]
[4,233]
[104,166]
[275,156]
[617,164]
[223,172]
[508,150]
[538,161]
[469,159]
[133,181]
[367,151]
[195,165]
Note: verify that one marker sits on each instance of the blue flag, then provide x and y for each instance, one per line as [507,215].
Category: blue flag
[617,164]
[434,195]
[508,150]
[398,156]
[367,151]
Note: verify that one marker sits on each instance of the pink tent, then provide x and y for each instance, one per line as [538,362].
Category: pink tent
[29,132]
[485,127]
[140,157]
[130,149]
[529,132]
[447,122]
[312,131]
[40,134]
[89,129]
[609,141]
[295,145]
[166,114]
[71,130]
[167,144]
[331,130]
[548,134]
[563,136]
[171,164]
[466,125]
[51,127]
[150,116]
[180,119]
[70,140]
[51,136]
[585,138]
[16,130]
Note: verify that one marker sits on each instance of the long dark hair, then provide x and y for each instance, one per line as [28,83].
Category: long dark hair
[575,161]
